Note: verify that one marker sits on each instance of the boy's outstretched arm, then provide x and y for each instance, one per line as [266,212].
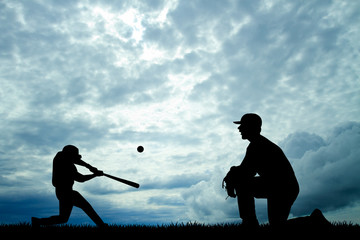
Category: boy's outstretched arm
[88,166]
[83,178]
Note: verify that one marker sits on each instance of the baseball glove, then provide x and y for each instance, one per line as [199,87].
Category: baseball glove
[229,182]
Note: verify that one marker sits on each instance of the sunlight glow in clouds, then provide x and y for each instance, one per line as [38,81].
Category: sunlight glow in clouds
[172,76]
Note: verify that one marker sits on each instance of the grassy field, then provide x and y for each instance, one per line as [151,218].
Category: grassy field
[189,229]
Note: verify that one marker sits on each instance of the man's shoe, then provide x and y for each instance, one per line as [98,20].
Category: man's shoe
[317,218]
[35,222]
[250,224]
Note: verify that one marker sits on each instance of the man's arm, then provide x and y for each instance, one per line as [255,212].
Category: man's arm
[84,164]
[83,178]
[247,169]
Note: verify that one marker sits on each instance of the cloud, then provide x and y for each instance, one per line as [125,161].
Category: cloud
[166,200]
[205,201]
[17,207]
[331,170]
[327,171]
[171,76]
[173,182]
[297,144]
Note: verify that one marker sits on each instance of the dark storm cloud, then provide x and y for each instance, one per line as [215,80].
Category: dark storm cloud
[328,175]
[297,144]
[18,207]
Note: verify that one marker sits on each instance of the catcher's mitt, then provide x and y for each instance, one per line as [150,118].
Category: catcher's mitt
[229,182]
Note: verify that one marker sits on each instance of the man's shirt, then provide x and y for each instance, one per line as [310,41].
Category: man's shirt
[266,159]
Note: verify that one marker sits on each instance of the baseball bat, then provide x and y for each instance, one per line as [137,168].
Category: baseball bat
[130,183]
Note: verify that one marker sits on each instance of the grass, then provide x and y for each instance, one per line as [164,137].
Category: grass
[342,229]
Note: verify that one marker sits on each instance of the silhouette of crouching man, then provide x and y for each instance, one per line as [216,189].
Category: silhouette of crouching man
[265,172]
[63,178]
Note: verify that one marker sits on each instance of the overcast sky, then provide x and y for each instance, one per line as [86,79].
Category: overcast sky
[108,76]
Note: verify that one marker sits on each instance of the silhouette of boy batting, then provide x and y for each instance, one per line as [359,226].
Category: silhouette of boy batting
[64,175]
[275,181]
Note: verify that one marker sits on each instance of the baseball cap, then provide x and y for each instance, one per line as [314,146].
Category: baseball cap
[70,150]
[250,118]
